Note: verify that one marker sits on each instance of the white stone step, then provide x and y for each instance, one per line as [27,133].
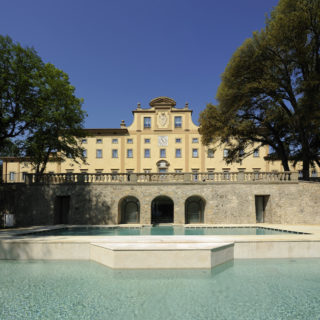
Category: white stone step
[161,255]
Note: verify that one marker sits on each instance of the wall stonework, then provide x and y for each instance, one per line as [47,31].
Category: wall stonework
[225,203]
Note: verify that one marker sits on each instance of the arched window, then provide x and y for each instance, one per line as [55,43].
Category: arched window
[129,210]
[194,210]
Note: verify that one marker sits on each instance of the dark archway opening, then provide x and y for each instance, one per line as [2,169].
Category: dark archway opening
[129,210]
[194,210]
[162,210]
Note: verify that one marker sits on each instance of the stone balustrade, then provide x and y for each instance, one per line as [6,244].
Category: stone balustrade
[184,177]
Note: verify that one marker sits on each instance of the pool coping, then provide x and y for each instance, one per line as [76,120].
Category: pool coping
[15,246]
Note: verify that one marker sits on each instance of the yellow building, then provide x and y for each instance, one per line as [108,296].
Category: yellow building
[162,138]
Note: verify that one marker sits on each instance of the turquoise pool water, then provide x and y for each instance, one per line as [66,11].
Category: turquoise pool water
[156,231]
[245,290]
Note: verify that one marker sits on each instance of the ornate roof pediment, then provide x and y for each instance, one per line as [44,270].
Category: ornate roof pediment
[162,101]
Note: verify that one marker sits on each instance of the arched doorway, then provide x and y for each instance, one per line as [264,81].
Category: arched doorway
[194,210]
[129,208]
[162,210]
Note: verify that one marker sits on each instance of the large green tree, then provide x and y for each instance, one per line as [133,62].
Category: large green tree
[58,128]
[19,72]
[39,110]
[270,90]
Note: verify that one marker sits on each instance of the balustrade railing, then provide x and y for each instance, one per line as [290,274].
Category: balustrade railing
[183,177]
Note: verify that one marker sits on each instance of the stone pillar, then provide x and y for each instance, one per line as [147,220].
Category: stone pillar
[178,210]
[145,210]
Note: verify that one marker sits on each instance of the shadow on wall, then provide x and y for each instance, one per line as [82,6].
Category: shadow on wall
[56,204]
[90,206]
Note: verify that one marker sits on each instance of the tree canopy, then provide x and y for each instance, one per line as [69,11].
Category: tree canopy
[270,90]
[39,110]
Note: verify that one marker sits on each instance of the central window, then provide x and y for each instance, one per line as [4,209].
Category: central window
[129,153]
[178,122]
[162,153]
[147,122]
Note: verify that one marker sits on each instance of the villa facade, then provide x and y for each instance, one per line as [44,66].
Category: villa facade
[161,138]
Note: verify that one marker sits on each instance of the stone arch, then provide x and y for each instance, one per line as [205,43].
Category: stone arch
[162,210]
[194,209]
[129,210]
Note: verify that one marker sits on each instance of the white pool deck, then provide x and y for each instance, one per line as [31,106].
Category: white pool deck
[127,252]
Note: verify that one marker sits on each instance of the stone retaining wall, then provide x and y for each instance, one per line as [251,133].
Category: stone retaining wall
[225,203]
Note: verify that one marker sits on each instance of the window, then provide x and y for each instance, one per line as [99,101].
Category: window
[147,153]
[300,174]
[162,153]
[130,141]
[129,153]
[225,153]
[99,141]
[256,173]
[163,170]
[194,153]
[210,153]
[12,176]
[147,122]
[114,174]
[129,171]
[178,122]
[195,174]
[241,153]
[147,170]
[99,153]
[114,153]
[69,176]
[178,140]
[210,173]
[83,141]
[177,170]
[314,173]
[114,141]
[84,153]
[99,174]
[83,171]
[178,153]
[147,140]
[256,153]
[226,174]
[195,140]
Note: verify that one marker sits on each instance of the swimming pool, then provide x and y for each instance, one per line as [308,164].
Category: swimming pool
[243,290]
[160,230]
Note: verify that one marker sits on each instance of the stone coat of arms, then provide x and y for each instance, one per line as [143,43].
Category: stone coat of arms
[162,120]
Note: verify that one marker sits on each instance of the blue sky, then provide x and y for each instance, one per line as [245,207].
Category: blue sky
[118,53]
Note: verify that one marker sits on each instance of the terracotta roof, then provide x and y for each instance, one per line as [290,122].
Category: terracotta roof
[106,132]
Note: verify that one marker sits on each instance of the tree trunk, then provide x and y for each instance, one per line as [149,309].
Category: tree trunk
[305,168]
